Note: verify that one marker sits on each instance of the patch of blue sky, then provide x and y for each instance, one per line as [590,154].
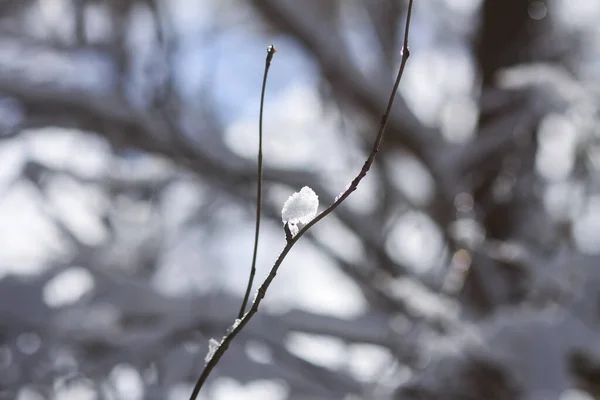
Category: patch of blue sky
[234,62]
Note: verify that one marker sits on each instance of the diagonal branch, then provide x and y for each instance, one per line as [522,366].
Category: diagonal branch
[240,324]
[292,18]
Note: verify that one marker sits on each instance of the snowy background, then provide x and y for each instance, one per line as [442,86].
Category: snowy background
[466,265]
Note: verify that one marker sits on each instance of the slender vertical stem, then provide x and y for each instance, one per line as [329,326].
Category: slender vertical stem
[262,290]
[270,52]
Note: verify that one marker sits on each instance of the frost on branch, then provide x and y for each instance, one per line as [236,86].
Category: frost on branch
[213,345]
[300,207]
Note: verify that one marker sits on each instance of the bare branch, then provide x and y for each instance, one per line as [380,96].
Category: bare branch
[270,52]
[240,324]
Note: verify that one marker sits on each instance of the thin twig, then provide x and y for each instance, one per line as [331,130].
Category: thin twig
[270,52]
[262,290]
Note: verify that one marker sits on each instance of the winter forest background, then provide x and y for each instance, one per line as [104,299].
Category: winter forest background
[466,266]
